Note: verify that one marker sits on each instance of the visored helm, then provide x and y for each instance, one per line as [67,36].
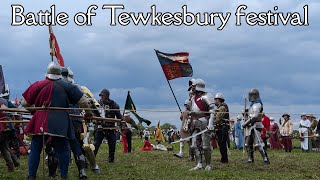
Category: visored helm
[239,117]
[219,96]
[200,85]
[54,71]
[254,95]
[192,82]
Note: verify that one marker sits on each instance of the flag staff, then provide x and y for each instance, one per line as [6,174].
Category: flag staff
[51,42]
[174,95]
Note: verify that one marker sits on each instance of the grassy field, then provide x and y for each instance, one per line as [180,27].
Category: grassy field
[163,165]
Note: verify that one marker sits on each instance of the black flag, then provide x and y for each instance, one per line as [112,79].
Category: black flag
[131,107]
[2,83]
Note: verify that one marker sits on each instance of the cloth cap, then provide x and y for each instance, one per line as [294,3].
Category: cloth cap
[104,91]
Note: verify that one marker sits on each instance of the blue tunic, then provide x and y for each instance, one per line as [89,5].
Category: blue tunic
[238,133]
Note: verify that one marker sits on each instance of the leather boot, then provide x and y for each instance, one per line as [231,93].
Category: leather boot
[10,167]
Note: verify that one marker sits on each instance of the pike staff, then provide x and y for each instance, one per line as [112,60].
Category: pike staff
[245,119]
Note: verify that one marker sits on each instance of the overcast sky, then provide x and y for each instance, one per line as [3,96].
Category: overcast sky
[282,62]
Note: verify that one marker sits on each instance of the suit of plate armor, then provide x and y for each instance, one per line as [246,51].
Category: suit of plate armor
[202,102]
[253,126]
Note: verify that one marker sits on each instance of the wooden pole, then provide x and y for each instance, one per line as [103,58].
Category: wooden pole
[174,95]
[245,119]
[51,43]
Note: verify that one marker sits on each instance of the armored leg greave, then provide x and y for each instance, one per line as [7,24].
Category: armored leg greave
[264,155]
[92,160]
[81,163]
[191,153]
[52,161]
[207,156]
[249,148]
[52,165]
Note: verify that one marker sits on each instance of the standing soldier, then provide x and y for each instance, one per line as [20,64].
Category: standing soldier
[202,113]
[75,144]
[274,136]
[170,134]
[303,132]
[312,131]
[222,125]
[286,132]
[110,109]
[253,127]
[265,130]
[184,130]
[53,126]
[5,133]
[127,131]
[238,133]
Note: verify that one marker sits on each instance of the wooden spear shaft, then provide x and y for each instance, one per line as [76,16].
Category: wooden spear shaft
[51,43]
[71,115]
[22,121]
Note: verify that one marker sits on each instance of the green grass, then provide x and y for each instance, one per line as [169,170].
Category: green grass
[163,165]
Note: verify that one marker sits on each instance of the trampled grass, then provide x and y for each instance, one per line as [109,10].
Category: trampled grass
[163,165]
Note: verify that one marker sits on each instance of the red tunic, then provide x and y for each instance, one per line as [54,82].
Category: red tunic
[51,93]
[266,123]
[274,138]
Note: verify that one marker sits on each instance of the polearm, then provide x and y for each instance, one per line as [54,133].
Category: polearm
[15,121]
[174,96]
[52,51]
[96,118]
[71,115]
[171,89]
[245,119]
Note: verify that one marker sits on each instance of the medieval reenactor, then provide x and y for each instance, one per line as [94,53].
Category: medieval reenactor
[238,133]
[77,143]
[5,136]
[127,131]
[109,109]
[265,130]
[52,127]
[274,135]
[222,125]
[303,132]
[185,126]
[253,126]
[312,131]
[286,133]
[202,103]
[170,134]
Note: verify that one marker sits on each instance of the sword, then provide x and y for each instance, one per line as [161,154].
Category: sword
[259,139]
[187,138]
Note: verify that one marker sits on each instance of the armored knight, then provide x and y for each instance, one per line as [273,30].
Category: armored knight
[253,126]
[202,103]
